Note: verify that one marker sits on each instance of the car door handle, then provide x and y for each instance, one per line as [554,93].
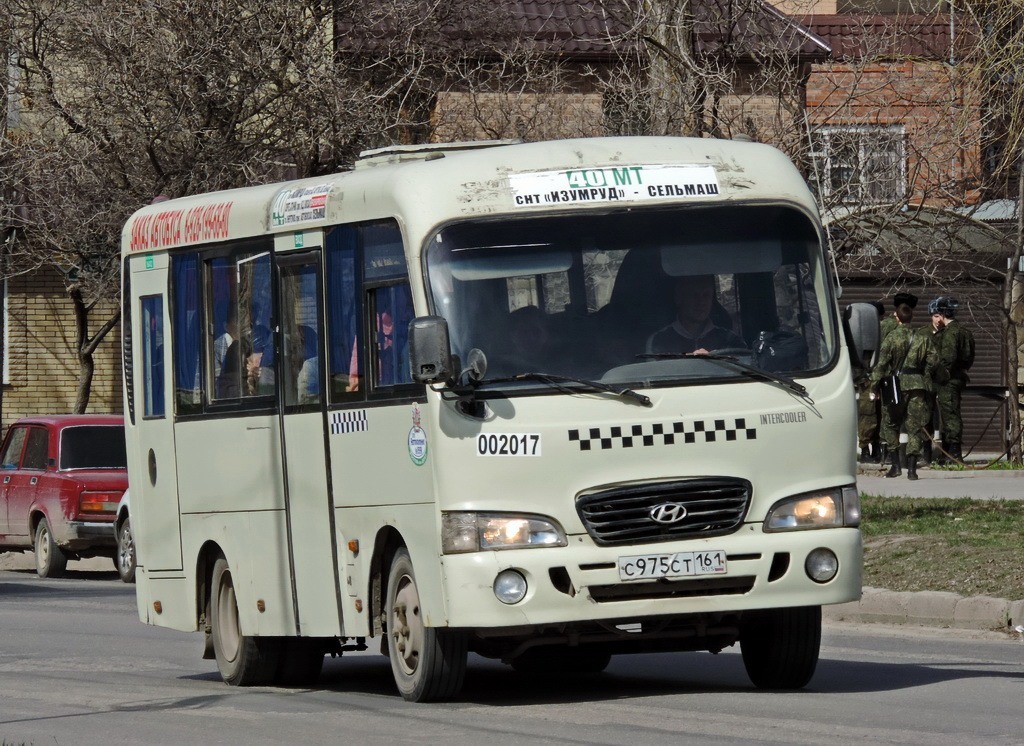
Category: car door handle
[33,480]
[7,480]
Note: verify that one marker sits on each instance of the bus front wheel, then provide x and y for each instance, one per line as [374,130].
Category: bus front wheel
[780,646]
[241,659]
[429,664]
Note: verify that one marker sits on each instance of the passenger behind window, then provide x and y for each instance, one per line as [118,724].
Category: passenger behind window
[531,338]
[261,363]
[693,331]
[308,381]
[228,384]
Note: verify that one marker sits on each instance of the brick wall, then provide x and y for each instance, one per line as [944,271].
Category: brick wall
[43,365]
[938,109]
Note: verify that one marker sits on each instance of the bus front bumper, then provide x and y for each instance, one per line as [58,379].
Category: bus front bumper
[580,582]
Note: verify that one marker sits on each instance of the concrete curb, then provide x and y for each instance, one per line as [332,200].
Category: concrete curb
[930,609]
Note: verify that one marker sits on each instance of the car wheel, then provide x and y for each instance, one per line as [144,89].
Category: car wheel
[125,557]
[429,664]
[780,646]
[241,659]
[51,562]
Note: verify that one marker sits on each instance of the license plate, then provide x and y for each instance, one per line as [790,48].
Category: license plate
[678,565]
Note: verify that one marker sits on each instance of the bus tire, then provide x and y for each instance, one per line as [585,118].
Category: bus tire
[242,660]
[51,562]
[561,660]
[428,663]
[780,646]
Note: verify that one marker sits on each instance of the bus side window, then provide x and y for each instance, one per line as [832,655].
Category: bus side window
[239,333]
[393,310]
[343,312]
[389,299]
[300,353]
[152,355]
[187,333]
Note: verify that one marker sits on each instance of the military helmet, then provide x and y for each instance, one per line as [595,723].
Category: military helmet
[945,305]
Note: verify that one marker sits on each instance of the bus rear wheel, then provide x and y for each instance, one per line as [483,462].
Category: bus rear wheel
[780,646]
[429,664]
[241,659]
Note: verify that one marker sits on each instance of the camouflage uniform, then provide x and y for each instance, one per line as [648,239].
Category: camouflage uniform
[956,355]
[885,327]
[911,356]
[867,412]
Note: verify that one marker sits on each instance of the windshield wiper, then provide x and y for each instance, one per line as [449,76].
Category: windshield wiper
[752,370]
[581,384]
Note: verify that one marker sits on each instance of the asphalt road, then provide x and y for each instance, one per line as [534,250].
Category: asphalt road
[77,667]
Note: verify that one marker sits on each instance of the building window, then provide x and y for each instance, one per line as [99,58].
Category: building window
[859,165]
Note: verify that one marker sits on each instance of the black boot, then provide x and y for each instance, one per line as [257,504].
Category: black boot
[894,470]
[911,467]
[883,453]
[955,453]
[865,455]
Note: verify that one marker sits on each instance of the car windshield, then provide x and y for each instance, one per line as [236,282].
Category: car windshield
[93,447]
[636,297]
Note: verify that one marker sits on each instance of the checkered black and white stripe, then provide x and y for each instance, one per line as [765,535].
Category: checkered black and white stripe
[349,422]
[662,434]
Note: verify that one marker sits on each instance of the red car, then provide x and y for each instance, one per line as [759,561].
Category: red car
[61,478]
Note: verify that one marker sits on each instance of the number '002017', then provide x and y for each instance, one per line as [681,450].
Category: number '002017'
[508,444]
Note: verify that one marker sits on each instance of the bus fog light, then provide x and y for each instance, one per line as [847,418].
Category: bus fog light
[821,565]
[510,586]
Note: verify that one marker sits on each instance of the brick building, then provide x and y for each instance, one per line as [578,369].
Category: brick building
[40,362]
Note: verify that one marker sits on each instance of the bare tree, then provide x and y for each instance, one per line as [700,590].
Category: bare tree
[118,103]
[997,59]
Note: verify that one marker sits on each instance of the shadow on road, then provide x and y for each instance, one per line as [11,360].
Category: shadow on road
[495,684]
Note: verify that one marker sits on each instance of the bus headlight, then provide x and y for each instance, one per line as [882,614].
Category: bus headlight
[821,509]
[475,532]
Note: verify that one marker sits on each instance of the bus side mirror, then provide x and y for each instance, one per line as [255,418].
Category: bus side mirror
[430,353]
[863,335]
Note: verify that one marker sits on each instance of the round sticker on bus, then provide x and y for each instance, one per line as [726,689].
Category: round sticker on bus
[417,439]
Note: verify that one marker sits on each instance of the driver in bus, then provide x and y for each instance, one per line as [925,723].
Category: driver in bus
[693,332]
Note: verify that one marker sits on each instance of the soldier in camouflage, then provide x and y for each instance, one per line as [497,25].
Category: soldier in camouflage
[887,324]
[956,356]
[868,410]
[912,358]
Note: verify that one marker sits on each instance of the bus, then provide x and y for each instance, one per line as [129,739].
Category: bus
[544,402]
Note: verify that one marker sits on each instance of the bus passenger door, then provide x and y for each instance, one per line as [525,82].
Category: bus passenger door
[312,539]
[151,456]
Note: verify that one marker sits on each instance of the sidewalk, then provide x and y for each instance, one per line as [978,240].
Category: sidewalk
[933,608]
[980,484]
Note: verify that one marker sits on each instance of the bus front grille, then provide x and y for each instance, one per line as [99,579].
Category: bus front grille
[664,511]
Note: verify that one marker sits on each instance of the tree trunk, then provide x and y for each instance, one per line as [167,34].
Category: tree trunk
[674,80]
[86,365]
[1012,298]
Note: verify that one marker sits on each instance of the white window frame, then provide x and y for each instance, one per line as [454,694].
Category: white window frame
[825,152]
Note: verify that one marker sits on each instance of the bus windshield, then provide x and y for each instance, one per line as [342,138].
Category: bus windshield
[638,297]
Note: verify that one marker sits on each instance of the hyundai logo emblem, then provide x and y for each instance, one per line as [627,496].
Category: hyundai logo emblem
[668,513]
